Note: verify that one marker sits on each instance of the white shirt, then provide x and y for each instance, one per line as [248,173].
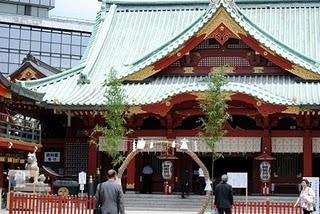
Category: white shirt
[200,171]
[306,199]
[147,170]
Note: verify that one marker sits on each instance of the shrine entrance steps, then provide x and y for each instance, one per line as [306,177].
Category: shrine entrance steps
[174,202]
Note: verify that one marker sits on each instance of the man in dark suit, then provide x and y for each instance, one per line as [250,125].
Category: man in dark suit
[110,196]
[223,196]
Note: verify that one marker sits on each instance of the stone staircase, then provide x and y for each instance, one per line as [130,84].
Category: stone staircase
[174,202]
[154,202]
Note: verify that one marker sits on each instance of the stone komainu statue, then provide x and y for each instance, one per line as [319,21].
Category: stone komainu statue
[32,163]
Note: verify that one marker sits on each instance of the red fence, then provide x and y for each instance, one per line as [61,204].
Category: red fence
[53,204]
[50,204]
[265,207]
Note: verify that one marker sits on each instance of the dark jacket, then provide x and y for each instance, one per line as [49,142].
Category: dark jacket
[111,197]
[223,196]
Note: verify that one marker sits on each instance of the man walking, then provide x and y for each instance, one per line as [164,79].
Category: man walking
[223,196]
[110,196]
[147,172]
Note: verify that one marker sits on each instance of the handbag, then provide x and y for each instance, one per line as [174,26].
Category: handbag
[98,209]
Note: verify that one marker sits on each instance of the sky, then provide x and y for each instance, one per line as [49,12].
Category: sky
[82,9]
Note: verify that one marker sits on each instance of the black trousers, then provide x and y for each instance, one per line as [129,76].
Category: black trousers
[184,190]
[202,185]
[147,184]
[306,211]
[224,210]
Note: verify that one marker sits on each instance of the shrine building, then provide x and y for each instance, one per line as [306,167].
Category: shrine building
[163,51]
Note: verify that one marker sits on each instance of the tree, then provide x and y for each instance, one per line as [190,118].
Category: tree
[114,116]
[214,106]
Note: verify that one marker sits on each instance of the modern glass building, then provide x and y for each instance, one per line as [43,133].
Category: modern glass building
[25,27]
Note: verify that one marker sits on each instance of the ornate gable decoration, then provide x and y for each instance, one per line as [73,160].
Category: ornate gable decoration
[222,21]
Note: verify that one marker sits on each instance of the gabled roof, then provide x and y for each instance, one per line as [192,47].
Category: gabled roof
[130,37]
[18,89]
[237,22]
[37,65]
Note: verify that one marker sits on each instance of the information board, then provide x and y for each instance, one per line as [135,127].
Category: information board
[82,178]
[238,179]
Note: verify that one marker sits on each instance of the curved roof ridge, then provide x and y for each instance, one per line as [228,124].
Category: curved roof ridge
[100,40]
[310,60]
[48,80]
[263,37]
[161,2]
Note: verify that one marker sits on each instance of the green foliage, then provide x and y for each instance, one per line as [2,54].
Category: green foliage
[215,107]
[114,115]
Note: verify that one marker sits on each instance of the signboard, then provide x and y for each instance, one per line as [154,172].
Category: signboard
[81,187]
[265,171]
[238,179]
[82,178]
[167,170]
[52,157]
[314,184]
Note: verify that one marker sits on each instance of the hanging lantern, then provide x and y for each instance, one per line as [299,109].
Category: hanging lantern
[173,145]
[184,145]
[151,145]
[134,145]
[141,144]
[195,146]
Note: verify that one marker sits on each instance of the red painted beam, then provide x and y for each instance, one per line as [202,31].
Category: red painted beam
[168,60]
[12,144]
[237,69]
[278,60]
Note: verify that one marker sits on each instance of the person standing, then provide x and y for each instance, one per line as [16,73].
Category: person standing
[184,184]
[223,196]
[147,172]
[202,182]
[109,194]
[306,198]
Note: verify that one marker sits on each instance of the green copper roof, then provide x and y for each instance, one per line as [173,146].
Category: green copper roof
[275,89]
[261,36]
[129,37]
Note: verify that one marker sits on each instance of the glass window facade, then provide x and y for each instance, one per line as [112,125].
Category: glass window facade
[58,48]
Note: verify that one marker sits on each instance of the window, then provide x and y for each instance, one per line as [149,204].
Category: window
[76,39]
[45,59]
[14,43]
[13,67]
[84,40]
[56,37]
[4,43]
[46,36]
[14,32]
[35,46]
[4,57]
[25,33]
[25,44]
[4,68]
[35,34]
[4,31]
[75,50]
[27,10]
[65,49]
[66,38]
[55,62]
[55,48]
[14,58]
[45,47]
